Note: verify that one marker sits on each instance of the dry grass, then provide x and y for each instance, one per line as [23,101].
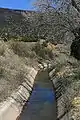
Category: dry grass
[43,51]
[13,67]
[22,49]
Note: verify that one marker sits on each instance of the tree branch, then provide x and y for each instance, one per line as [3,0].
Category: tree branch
[75,5]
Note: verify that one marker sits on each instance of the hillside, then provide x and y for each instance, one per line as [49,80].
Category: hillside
[18,23]
[13,22]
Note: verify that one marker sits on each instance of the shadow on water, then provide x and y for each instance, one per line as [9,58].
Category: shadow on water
[42,104]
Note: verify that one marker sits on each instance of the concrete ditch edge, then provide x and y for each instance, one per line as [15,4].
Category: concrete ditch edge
[11,108]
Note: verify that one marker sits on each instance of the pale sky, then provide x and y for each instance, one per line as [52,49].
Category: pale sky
[17,4]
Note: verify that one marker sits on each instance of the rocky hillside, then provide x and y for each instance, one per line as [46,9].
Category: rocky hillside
[14,22]
[51,26]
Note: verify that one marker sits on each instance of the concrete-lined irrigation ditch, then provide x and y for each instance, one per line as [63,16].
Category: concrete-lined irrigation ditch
[42,104]
[38,85]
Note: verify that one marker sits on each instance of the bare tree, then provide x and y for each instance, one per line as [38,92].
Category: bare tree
[71,10]
[64,10]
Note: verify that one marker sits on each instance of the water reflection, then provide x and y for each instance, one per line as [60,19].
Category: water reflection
[41,105]
[42,94]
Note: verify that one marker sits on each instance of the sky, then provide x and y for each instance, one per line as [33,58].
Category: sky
[17,4]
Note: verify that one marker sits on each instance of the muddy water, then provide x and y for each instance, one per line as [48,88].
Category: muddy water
[42,105]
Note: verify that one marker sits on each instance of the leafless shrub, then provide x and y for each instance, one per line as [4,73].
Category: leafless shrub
[12,71]
[22,49]
[42,52]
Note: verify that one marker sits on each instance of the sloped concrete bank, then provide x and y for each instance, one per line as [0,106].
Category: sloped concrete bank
[57,88]
[62,111]
[11,108]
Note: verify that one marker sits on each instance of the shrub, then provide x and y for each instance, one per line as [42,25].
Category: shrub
[42,52]
[1,72]
[19,49]
[22,49]
[75,49]
[2,49]
[29,39]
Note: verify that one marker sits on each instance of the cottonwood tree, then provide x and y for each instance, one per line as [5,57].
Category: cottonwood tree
[51,24]
[64,12]
[71,10]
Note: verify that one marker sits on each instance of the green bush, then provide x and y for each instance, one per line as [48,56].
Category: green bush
[76,75]
[29,39]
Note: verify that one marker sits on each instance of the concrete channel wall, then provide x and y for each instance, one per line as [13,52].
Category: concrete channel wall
[11,108]
[62,112]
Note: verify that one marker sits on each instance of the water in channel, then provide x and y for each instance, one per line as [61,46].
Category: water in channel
[42,104]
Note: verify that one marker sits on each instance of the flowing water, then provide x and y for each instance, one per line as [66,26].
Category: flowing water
[42,105]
